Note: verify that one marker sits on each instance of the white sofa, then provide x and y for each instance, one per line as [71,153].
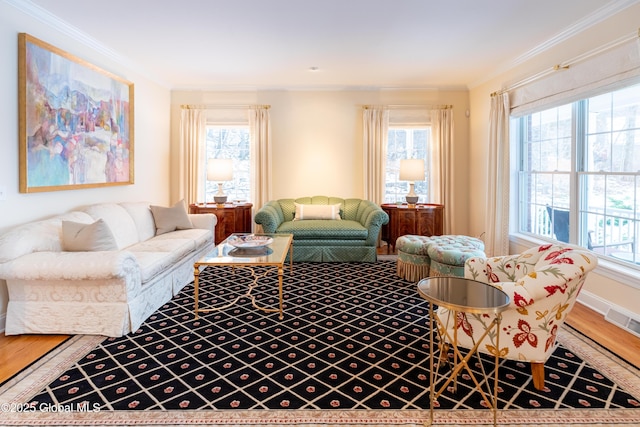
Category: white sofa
[53,291]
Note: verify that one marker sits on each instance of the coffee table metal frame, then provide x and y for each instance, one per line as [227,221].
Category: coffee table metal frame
[461,295]
[224,254]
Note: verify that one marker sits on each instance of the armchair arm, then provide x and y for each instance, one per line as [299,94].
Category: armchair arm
[513,276]
[544,282]
[506,268]
[269,217]
[492,270]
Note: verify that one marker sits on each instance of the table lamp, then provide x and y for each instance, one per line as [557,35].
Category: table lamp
[412,170]
[220,170]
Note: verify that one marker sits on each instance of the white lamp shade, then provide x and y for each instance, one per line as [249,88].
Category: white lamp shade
[412,170]
[219,170]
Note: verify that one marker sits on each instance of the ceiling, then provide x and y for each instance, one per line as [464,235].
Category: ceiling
[275,44]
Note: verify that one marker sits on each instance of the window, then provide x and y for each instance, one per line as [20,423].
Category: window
[405,143]
[230,142]
[579,173]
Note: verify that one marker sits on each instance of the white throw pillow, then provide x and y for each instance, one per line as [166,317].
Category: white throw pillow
[317,211]
[171,219]
[80,237]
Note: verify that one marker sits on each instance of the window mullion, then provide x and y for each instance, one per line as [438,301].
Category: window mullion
[578,230]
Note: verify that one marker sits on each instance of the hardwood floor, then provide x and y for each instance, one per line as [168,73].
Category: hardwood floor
[18,352]
[592,324]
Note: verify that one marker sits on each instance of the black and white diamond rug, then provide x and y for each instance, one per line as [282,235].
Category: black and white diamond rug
[354,336]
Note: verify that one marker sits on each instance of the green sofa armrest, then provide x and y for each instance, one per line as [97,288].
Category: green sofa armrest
[270,216]
[372,217]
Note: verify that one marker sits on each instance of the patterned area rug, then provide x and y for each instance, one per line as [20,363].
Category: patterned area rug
[352,348]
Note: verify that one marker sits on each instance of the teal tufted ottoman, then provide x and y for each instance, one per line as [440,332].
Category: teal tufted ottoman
[413,259]
[422,256]
[449,253]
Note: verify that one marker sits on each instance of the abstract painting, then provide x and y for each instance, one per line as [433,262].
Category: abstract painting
[76,121]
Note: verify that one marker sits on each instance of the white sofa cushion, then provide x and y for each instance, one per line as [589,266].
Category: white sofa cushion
[119,221]
[143,218]
[36,236]
[171,219]
[159,253]
[179,247]
[317,211]
[199,236]
[97,236]
[154,263]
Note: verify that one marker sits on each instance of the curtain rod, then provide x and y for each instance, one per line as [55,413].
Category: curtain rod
[219,106]
[566,65]
[411,106]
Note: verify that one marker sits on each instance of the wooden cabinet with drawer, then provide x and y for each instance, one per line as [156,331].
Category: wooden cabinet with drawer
[423,219]
[232,217]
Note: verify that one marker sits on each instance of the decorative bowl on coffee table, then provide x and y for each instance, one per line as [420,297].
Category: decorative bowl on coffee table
[249,241]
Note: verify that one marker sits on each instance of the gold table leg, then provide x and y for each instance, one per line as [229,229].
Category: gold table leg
[247,294]
[461,362]
[432,376]
[196,276]
[280,274]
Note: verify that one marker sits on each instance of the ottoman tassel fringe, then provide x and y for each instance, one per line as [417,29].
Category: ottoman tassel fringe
[412,272]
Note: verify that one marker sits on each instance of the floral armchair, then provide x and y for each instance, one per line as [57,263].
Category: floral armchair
[542,284]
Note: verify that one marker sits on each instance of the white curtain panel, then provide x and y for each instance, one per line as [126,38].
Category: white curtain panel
[497,210]
[441,173]
[375,130]
[191,165]
[260,132]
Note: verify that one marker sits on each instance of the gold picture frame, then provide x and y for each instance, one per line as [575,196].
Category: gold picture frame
[76,127]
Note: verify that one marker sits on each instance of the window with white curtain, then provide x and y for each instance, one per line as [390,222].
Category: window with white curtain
[579,173]
[230,142]
[405,142]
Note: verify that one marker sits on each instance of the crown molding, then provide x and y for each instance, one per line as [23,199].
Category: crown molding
[587,22]
[321,88]
[64,27]
[47,18]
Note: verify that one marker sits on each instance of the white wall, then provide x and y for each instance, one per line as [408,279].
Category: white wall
[152,124]
[317,138]
[601,289]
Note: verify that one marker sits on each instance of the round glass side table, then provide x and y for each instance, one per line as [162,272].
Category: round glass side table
[461,295]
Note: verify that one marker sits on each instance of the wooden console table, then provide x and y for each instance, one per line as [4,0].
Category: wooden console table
[423,219]
[232,217]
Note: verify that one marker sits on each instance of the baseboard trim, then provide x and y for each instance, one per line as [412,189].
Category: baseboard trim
[616,315]
[594,302]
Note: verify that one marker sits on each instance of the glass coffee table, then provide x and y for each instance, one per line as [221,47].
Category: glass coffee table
[241,250]
[461,295]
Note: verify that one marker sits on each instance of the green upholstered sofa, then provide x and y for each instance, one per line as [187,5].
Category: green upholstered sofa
[353,237]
